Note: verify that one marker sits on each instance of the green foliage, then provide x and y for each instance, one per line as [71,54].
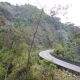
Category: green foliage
[58,49]
[1,44]
[2,19]
[77,35]
[17,26]
[2,73]
[78,45]
[48,69]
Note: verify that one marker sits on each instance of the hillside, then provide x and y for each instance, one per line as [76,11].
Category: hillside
[25,18]
[18,24]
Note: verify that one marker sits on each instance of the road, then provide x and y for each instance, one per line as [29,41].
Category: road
[46,55]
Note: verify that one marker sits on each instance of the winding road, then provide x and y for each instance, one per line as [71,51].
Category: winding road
[46,55]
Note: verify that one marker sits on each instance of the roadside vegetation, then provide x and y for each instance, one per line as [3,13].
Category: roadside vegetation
[17,28]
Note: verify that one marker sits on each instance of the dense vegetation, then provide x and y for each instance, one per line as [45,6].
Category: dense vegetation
[17,28]
[69,49]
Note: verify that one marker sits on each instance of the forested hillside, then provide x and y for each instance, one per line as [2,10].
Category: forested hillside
[18,24]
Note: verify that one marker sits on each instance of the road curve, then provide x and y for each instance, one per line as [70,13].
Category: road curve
[46,55]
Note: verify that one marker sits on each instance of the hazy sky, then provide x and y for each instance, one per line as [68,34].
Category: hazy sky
[73,12]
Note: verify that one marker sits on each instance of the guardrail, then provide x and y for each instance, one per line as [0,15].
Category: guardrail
[67,64]
[69,61]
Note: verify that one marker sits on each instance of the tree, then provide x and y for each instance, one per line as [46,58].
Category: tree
[58,49]
[2,19]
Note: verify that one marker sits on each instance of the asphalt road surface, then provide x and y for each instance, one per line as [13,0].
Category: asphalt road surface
[46,55]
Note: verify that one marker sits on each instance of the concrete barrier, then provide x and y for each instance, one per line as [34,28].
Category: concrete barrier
[69,61]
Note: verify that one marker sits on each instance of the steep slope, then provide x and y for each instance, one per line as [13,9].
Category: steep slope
[25,18]
[17,27]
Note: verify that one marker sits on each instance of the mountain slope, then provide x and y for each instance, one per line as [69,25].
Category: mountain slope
[24,19]
[17,27]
